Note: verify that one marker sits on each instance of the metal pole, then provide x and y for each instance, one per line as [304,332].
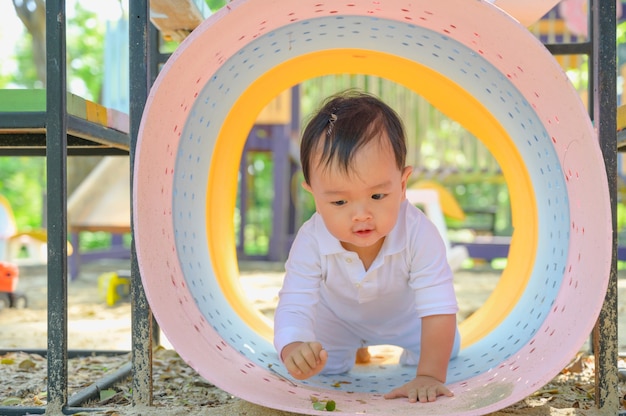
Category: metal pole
[140,81]
[56,154]
[603,30]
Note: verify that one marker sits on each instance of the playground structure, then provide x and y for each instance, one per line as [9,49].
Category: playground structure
[19,246]
[430,201]
[580,326]
[274,133]
[91,209]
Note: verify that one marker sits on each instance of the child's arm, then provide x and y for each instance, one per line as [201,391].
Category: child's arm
[304,359]
[438,332]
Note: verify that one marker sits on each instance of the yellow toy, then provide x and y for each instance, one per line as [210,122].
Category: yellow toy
[114,286]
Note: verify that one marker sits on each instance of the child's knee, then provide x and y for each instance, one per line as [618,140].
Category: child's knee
[339,362]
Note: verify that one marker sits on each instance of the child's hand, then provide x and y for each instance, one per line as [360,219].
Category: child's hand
[304,359]
[421,388]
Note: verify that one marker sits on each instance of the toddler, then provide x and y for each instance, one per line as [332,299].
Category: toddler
[368,268]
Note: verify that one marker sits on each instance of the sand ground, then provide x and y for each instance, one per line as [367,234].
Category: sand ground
[93,325]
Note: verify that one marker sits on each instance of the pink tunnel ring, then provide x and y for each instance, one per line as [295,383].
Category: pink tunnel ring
[522,105]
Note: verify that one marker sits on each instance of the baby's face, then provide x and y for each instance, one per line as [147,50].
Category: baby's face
[360,207]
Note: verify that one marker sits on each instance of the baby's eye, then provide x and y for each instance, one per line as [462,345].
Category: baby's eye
[339,203]
[378,196]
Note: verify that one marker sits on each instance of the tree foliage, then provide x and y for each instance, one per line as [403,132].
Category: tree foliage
[32,13]
[85,49]
[22,183]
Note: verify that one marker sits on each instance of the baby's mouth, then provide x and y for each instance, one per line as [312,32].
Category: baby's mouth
[364,232]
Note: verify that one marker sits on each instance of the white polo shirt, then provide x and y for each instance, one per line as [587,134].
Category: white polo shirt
[409,279]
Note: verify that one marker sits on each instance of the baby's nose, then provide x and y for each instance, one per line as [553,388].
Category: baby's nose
[361,213]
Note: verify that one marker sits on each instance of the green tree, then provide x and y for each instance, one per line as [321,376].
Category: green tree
[85,50]
[21,182]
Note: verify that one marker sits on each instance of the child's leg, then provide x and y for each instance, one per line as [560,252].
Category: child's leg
[338,340]
[339,361]
[363,356]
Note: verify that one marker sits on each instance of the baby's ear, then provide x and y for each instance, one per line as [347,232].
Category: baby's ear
[406,174]
[307,187]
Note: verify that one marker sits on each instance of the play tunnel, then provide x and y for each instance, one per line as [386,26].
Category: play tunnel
[472,61]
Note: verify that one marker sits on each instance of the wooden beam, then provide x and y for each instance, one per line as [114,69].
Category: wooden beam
[176,19]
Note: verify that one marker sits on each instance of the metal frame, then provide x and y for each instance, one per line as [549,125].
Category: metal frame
[65,135]
[603,62]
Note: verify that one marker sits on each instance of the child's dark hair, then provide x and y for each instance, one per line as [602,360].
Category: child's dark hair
[346,122]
